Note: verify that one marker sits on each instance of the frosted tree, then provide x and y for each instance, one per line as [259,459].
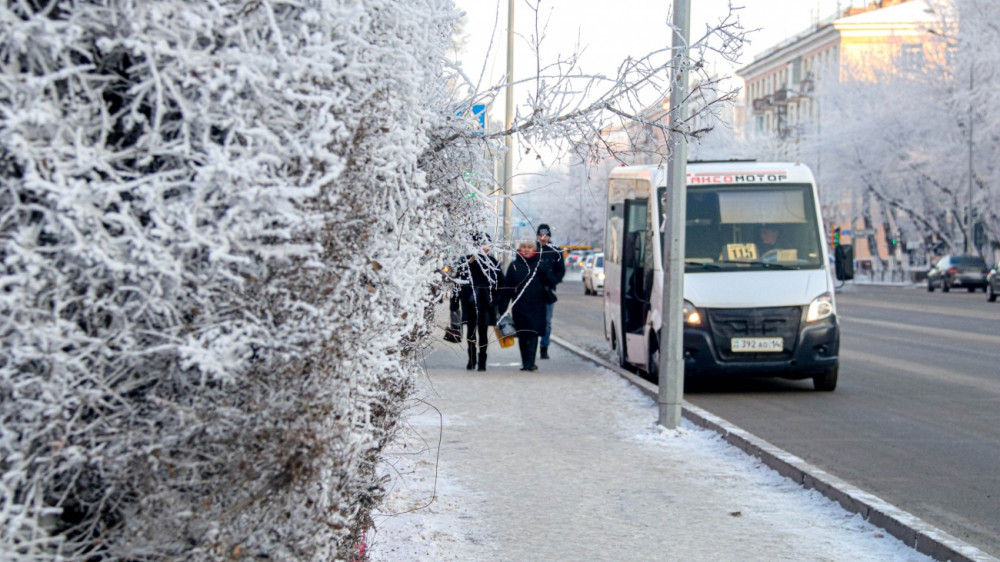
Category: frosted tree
[969,27]
[882,160]
[903,140]
[217,221]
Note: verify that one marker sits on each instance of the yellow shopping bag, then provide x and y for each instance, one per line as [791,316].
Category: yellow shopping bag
[505,331]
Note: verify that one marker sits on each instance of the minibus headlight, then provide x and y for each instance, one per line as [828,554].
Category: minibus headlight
[600,276]
[691,315]
[821,307]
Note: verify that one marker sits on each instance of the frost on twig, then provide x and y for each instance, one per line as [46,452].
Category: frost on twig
[567,107]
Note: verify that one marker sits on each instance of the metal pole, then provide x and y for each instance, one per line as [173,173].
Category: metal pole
[508,159]
[671,387]
[968,223]
[819,139]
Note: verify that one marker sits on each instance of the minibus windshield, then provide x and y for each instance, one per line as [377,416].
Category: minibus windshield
[744,227]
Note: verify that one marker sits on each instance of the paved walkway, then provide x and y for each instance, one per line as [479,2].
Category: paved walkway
[567,463]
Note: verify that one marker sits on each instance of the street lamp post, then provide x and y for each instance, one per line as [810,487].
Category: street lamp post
[670,394]
[968,222]
[972,77]
[508,159]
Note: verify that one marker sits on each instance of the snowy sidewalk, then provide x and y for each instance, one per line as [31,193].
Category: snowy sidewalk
[567,463]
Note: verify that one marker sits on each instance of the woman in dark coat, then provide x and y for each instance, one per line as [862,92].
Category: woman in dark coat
[480,277]
[524,291]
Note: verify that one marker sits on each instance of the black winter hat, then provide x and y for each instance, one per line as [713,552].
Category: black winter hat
[543,229]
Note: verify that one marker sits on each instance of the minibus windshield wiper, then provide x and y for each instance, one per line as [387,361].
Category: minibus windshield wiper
[771,265]
[708,266]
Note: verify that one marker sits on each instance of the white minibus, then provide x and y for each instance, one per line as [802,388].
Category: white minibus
[758,291]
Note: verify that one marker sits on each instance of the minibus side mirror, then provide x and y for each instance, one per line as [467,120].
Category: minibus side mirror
[843,260]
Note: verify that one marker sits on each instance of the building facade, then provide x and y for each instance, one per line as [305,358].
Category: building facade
[862,43]
[783,97]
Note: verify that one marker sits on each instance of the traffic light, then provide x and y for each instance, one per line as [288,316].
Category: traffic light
[979,235]
[835,236]
[893,240]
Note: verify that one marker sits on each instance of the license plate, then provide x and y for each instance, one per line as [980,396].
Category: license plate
[757,345]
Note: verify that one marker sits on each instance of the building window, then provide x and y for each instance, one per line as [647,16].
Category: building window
[912,56]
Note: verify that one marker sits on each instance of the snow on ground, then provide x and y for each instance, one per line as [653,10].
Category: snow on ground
[569,464]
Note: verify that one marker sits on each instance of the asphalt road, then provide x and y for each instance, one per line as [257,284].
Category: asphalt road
[915,418]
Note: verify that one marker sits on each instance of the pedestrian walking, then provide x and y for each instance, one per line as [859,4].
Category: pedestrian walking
[524,292]
[553,270]
[479,277]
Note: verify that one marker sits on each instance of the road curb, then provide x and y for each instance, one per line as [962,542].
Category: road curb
[911,530]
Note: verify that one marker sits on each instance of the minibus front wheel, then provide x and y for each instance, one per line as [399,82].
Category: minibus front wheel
[827,381]
[618,348]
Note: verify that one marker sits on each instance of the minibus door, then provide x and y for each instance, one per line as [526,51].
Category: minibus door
[635,292]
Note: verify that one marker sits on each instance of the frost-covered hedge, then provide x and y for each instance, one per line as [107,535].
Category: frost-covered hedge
[219,222]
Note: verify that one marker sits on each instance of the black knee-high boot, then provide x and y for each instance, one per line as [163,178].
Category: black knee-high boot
[482,358]
[527,346]
[532,350]
[472,356]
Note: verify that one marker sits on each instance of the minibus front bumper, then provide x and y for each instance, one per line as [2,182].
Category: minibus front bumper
[815,350]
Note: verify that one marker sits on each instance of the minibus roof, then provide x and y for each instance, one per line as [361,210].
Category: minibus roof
[729,172]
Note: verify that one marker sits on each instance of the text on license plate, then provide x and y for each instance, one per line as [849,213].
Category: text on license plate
[757,345]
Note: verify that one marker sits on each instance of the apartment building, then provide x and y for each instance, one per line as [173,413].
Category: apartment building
[783,99]
[862,43]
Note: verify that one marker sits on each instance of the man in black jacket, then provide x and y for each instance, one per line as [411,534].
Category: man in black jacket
[552,267]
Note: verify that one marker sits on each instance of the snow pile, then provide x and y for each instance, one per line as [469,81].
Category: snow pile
[215,224]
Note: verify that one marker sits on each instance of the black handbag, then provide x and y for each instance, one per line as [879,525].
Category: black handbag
[453,333]
[550,295]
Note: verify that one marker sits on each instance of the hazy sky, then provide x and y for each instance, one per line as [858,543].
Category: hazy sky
[610,30]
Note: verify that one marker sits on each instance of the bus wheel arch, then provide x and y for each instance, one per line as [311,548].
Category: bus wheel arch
[619,347]
[653,358]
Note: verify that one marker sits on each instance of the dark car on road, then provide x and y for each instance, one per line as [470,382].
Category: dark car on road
[993,283]
[954,272]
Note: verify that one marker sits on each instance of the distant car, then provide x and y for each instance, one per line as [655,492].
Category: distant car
[575,258]
[952,272]
[584,263]
[993,283]
[593,275]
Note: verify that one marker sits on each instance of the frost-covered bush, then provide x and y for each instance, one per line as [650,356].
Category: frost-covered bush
[219,222]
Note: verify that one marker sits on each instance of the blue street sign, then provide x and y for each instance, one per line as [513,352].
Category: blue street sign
[479,110]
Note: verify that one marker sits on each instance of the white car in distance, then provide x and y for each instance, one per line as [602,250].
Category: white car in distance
[593,275]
